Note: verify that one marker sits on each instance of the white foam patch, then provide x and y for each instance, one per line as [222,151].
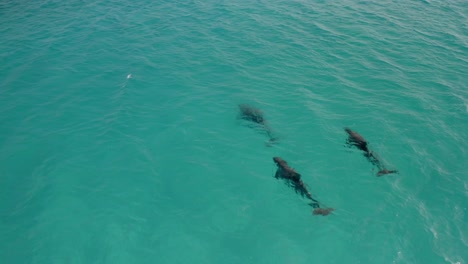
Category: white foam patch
[434,232]
[129,76]
[449,260]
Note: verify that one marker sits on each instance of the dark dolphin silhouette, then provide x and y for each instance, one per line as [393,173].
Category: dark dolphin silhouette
[293,179]
[358,141]
[255,115]
[251,114]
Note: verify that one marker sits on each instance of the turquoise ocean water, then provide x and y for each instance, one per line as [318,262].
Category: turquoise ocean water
[120,142]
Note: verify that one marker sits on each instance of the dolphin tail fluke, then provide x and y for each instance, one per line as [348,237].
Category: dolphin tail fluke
[319,210]
[322,211]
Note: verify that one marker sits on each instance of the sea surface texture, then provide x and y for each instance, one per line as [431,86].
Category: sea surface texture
[121,142]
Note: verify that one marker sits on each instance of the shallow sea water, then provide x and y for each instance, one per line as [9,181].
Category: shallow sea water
[120,140]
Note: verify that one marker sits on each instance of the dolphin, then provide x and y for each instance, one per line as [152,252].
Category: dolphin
[355,139]
[293,179]
[255,116]
[252,114]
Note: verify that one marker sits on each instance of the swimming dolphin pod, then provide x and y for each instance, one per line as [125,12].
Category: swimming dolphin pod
[254,115]
[291,176]
[356,140]
[293,179]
